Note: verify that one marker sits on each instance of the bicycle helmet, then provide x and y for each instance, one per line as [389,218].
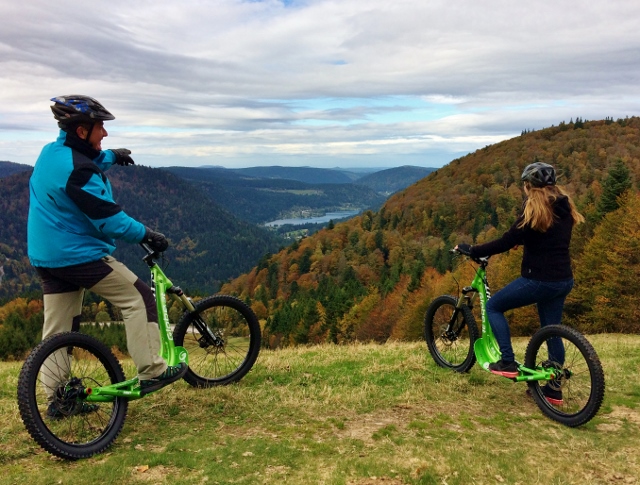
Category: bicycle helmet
[75,109]
[539,174]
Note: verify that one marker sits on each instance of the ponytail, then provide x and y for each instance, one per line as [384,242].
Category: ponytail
[538,208]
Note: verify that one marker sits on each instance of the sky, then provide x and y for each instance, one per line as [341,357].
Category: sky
[322,83]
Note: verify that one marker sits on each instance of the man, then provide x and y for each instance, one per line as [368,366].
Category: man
[73,221]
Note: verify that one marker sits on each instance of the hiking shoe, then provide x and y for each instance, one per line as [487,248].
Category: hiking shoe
[171,374]
[504,369]
[551,394]
[78,408]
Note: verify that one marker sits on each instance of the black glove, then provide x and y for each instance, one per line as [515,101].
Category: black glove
[464,249]
[122,156]
[156,240]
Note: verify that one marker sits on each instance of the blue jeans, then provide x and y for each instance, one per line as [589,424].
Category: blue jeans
[549,297]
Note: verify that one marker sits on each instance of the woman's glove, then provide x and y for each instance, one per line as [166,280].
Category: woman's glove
[156,240]
[464,249]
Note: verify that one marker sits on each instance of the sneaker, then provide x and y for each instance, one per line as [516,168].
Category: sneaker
[504,369]
[79,408]
[170,375]
[552,395]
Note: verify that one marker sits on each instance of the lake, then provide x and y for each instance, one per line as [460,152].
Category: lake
[314,220]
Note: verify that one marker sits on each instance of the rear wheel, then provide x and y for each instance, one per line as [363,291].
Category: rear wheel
[51,399]
[222,337]
[574,396]
[450,333]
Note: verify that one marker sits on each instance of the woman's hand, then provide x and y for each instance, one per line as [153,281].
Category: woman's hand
[463,249]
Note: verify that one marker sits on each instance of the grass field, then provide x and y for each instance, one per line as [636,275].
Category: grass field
[358,415]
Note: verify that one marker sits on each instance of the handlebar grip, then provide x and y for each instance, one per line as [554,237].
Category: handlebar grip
[146,247]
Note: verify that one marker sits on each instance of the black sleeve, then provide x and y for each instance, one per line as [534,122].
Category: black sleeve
[513,237]
[87,189]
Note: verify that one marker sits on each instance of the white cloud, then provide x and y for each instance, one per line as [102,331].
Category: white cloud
[371,81]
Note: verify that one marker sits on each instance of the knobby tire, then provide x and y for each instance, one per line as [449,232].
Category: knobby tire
[452,350]
[581,376]
[54,369]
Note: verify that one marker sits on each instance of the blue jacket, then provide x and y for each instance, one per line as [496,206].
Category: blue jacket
[73,218]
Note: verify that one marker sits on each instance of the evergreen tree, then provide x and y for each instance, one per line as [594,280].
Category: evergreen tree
[618,181]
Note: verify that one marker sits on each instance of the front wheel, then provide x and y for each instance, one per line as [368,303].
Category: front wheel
[576,392]
[52,401]
[450,333]
[222,337]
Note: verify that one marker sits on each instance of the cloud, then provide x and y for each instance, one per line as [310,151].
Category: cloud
[240,82]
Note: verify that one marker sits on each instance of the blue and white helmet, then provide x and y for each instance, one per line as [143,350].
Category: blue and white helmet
[74,109]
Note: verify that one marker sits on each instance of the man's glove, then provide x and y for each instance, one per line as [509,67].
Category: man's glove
[156,240]
[464,249]
[122,156]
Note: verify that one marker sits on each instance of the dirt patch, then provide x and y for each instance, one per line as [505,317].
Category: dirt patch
[631,415]
[617,417]
[156,474]
[364,426]
[376,481]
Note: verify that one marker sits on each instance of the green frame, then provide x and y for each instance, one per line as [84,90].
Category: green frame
[130,389]
[486,347]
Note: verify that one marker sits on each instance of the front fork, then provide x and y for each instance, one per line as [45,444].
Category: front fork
[208,338]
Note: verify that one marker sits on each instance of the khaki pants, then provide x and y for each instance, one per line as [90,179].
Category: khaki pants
[112,280]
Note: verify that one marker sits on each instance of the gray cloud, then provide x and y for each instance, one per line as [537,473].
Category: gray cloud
[234,82]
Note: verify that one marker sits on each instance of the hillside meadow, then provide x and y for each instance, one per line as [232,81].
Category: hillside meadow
[356,414]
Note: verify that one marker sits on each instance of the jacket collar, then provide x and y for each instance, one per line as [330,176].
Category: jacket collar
[72,141]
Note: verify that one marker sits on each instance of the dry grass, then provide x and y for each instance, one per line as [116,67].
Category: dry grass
[357,415]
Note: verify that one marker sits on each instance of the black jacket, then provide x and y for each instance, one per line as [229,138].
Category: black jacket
[546,254]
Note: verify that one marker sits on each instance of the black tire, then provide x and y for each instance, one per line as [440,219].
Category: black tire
[452,349]
[72,432]
[231,344]
[581,378]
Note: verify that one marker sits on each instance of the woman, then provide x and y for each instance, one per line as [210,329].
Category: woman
[544,229]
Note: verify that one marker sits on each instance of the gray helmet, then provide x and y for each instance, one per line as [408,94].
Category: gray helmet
[539,174]
[75,109]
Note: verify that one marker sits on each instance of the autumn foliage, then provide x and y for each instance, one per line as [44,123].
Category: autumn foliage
[372,277]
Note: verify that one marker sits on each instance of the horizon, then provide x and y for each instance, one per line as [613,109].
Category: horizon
[341,169]
[349,168]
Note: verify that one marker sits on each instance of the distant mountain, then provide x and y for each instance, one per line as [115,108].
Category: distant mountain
[308,175]
[208,244]
[355,173]
[9,168]
[260,200]
[392,180]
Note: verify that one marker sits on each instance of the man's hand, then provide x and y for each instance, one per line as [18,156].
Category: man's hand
[156,240]
[122,156]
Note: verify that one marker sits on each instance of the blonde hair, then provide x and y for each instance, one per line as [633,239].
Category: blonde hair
[538,208]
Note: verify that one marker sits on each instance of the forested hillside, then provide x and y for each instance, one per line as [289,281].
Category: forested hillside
[208,244]
[260,200]
[9,168]
[309,175]
[373,276]
[392,180]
